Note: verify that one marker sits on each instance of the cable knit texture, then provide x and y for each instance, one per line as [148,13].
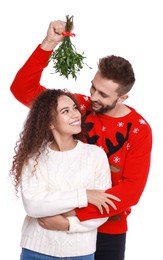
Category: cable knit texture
[127,141]
[58,185]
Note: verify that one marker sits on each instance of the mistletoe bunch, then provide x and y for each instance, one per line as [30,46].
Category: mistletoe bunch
[66,60]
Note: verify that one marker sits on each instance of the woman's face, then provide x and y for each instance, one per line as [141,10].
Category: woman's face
[68,119]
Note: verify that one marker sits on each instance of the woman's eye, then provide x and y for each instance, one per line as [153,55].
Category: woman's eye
[75,108]
[65,111]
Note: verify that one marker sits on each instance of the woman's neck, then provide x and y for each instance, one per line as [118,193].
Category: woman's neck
[63,145]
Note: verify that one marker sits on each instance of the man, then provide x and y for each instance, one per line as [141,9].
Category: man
[123,133]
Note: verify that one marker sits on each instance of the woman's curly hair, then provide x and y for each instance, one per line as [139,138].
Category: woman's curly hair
[36,132]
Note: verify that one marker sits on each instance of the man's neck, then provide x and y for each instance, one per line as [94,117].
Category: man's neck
[119,111]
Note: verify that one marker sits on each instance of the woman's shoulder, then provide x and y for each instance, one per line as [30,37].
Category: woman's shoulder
[92,148]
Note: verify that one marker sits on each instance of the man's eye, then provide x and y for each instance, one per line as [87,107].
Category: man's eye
[103,95]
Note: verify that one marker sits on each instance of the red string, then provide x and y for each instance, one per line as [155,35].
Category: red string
[68,34]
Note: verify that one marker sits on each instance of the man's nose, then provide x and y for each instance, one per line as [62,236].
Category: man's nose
[94,96]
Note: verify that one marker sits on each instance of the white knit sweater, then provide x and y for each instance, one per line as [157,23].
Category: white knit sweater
[58,185]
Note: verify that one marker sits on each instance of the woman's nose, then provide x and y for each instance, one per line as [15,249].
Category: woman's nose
[75,113]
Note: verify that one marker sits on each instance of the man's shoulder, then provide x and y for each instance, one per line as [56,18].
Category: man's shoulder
[84,102]
[82,97]
[140,124]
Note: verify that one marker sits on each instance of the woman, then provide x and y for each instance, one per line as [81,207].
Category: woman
[56,172]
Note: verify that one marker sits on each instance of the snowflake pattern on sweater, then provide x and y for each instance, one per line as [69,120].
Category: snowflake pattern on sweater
[127,142]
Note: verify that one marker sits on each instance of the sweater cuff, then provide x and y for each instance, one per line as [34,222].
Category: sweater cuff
[82,198]
[73,224]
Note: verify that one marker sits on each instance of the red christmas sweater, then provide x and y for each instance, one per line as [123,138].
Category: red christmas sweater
[126,140]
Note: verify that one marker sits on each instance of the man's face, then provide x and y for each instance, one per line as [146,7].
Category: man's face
[104,97]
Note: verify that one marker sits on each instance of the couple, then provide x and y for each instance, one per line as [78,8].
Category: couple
[59,169]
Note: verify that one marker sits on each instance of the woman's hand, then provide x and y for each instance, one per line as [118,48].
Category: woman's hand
[57,222]
[101,200]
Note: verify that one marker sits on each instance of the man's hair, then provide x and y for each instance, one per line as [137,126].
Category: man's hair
[118,70]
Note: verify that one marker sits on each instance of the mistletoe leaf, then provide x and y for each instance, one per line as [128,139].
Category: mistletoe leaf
[66,60]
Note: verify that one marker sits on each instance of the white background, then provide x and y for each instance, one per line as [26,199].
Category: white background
[131,29]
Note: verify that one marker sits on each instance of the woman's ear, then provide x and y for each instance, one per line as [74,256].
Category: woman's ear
[51,126]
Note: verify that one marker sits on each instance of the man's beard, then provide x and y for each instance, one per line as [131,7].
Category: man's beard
[104,109]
